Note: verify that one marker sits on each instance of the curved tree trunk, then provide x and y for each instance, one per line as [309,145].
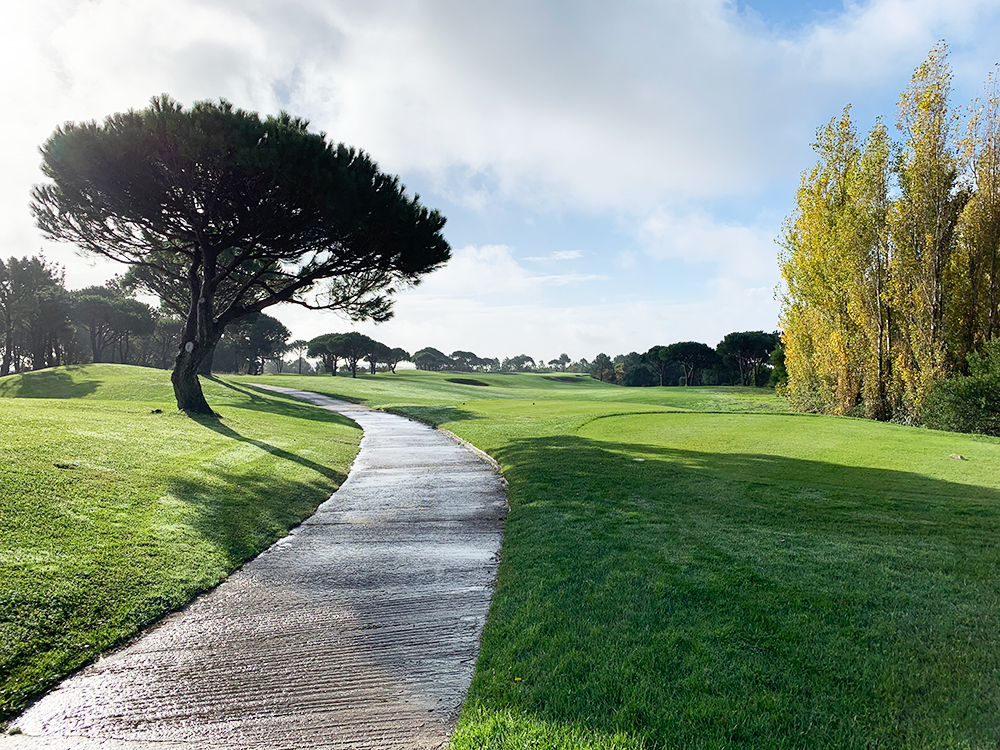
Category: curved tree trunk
[187,388]
[189,363]
[206,363]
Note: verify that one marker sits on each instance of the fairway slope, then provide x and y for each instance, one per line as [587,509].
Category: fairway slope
[694,568]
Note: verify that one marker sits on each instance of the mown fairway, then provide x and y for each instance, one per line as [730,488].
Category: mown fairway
[112,514]
[755,580]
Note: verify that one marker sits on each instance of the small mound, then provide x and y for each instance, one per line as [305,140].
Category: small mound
[563,378]
[467,381]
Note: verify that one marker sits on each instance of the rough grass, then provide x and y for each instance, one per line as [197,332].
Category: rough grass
[112,514]
[759,580]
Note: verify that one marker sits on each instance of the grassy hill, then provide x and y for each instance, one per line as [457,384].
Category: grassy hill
[115,508]
[699,568]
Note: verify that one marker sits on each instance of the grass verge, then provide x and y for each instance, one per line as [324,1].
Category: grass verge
[116,509]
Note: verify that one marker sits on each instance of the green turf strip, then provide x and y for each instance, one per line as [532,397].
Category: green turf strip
[112,514]
[756,580]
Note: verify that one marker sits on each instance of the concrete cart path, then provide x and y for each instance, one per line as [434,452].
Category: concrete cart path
[358,630]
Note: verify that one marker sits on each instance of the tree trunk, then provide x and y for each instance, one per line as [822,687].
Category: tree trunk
[8,353]
[205,368]
[93,343]
[187,387]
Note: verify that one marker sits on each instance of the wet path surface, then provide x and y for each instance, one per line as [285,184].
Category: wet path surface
[358,630]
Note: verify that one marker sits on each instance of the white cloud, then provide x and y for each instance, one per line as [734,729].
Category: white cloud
[485,301]
[738,252]
[492,272]
[647,114]
[558,255]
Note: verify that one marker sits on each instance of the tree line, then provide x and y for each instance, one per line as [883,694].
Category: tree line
[891,257]
[351,348]
[750,358]
[741,358]
[43,324]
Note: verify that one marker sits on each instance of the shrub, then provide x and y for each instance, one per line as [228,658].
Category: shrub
[968,403]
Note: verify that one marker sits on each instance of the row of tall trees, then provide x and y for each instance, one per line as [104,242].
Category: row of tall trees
[42,324]
[352,348]
[891,258]
[433,359]
[752,358]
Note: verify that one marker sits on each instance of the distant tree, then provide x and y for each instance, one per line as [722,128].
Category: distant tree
[132,319]
[240,212]
[693,357]
[632,370]
[48,331]
[560,362]
[602,367]
[164,340]
[326,348]
[93,308]
[430,358]
[749,352]
[111,319]
[520,363]
[465,361]
[377,352]
[659,360]
[352,348]
[253,340]
[34,314]
[299,347]
[396,356]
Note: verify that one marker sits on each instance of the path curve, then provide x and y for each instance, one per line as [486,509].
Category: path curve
[360,629]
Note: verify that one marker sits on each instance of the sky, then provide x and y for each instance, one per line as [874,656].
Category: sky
[615,175]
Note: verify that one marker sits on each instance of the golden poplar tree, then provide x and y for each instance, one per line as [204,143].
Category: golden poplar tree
[974,311]
[924,223]
[821,338]
[891,257]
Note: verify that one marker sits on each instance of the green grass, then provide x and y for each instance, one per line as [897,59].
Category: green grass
[116,509]
[761,579]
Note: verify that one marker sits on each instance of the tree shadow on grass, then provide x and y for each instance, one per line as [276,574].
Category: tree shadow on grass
[215,424]
[243,516]
[275,402]
[254,396]
[434,415]
[57,383]
[710,599]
